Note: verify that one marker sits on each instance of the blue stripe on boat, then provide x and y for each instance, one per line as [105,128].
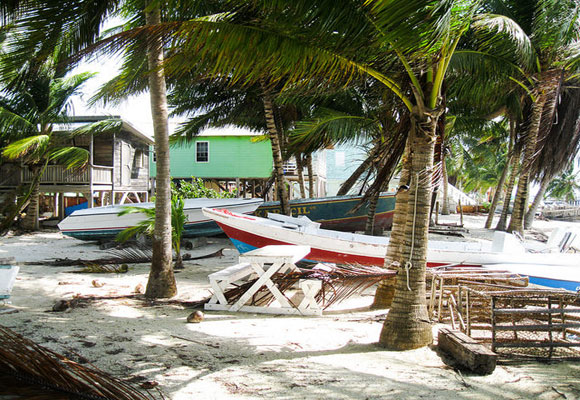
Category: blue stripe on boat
[555,283]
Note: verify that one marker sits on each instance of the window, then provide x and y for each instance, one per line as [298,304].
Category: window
[202,151]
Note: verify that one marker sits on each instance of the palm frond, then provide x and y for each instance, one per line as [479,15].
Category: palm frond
[71,157]
[503,37]
[28,146]
[32,365]
[330,127]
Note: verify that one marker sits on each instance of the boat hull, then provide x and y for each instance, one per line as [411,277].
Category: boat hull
[247,233]
[336,212]
[103,223]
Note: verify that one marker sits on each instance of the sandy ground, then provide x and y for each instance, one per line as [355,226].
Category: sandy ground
[239,355]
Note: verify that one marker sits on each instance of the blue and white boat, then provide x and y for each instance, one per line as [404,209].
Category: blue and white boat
[105,223]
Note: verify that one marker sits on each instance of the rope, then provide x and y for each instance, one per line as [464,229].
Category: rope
[408,264]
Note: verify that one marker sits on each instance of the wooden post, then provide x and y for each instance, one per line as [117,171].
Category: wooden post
[460,213]
[493,323]
[562,317]
[550,328]
[468,311]
[437,212]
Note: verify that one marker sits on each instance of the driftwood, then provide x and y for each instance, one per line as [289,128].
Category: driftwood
[467,352]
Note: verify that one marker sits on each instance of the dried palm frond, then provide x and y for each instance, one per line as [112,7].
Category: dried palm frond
[90,268]
[32,365]
[127,255]
[338,283]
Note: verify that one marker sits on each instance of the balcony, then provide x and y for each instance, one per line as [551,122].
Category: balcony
[59,175]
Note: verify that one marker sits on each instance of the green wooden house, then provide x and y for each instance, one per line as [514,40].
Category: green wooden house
[224,158]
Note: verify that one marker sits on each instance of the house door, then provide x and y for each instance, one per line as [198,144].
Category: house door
[126,164]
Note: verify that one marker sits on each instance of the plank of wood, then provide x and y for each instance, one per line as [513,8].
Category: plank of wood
[467,352]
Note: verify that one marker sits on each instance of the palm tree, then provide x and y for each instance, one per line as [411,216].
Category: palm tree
[559,144]
[161,282]
[565,186]
[545,43]
[46,25]
[147,226]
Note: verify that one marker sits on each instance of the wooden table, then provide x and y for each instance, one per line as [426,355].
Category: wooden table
[262,264]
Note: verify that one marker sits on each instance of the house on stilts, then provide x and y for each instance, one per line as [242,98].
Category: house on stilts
[118,170]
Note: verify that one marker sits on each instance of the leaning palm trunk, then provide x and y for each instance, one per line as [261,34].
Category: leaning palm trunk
[407,325]
[530,215]
[502,179]
[30,221]
[353,178]
[281,191]
[497,195]
[370,224]
[161,281]
[501,224]
[549,84]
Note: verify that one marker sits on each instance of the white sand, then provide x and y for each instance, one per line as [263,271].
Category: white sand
[237,355]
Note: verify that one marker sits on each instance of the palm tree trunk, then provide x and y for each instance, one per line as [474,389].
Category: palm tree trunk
[384,292]
[281,191]
[549,84]
[498,194]
[370,224]
[501,224]
[353,178]
[521,200]
[161,283]
[531,214]
[407,325]
[310,175]
[30,221]
[300,168]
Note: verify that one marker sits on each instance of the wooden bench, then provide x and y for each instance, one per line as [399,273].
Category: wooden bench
[467,352]
[262,264]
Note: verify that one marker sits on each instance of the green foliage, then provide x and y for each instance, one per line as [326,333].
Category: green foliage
[196,189]
[147,226]
[564,186]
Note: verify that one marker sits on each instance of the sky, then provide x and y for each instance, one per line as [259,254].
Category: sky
[135,109]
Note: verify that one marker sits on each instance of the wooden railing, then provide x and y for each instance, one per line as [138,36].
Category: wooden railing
[57,174]
[102,175]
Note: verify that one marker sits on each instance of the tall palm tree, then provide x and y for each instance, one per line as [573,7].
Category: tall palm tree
[46,25]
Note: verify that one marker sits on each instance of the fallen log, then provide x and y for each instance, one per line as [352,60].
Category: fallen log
[468,353]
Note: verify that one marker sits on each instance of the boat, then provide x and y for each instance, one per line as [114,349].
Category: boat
[249,232]
[104,222]
[8,272]
[336,212]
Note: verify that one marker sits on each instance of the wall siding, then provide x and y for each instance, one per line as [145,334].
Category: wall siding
[229,157]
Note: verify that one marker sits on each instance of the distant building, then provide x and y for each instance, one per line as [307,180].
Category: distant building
[225,158]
